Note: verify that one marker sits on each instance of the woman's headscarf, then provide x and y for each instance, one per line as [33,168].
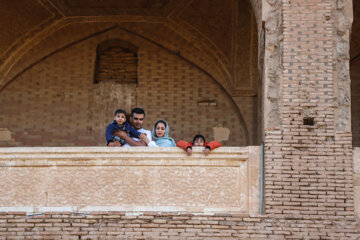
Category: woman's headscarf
[164,141]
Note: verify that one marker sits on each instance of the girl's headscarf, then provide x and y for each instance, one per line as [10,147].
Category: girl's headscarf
[164,141]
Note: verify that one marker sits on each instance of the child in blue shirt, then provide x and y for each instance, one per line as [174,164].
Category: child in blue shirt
[120,123]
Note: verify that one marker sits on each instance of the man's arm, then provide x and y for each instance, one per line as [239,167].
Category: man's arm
[131,130]
[129,140]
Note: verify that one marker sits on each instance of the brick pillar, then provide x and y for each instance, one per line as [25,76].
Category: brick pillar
[308,158]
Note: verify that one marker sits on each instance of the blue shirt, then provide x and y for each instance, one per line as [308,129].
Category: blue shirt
[114,126]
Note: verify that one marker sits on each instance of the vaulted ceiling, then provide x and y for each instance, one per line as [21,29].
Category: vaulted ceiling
[207,25]
[213,27]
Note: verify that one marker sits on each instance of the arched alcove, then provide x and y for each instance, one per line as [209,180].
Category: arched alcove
[116,60]
[221,60]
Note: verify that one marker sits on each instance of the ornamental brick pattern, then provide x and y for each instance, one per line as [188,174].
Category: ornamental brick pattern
[308,164]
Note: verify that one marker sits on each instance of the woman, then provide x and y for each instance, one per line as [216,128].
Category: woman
[161,135]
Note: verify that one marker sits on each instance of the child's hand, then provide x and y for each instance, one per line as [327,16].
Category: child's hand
[206,151]
[144,138]
[189,151]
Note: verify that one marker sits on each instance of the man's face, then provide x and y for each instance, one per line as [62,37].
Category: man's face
[137,120]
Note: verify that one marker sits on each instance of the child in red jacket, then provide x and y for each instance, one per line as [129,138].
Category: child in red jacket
[198,141]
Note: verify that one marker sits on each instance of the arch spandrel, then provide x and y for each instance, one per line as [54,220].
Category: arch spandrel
[169,13]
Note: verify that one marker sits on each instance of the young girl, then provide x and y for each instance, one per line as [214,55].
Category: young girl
[198,141]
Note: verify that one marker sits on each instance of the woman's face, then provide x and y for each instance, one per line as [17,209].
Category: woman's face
[160,129]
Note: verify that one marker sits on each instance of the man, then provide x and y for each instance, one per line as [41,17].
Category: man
[137,121]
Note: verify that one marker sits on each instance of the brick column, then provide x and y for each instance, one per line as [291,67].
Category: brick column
[308,159]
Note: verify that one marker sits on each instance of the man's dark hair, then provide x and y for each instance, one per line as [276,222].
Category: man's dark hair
[120,111]
[137,111]
[197,137]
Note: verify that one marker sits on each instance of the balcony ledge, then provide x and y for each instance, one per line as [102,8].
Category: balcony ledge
[139,179]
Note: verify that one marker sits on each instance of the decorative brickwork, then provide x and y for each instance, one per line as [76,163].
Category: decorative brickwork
[308,167]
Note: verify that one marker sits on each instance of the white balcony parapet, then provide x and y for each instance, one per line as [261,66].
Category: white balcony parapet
[84,179]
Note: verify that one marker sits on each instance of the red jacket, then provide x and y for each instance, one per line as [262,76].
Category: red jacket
[212,145]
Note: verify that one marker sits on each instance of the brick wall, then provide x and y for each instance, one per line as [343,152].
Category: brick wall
[118,225]
[151,225]
[52,103]
[308,167]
